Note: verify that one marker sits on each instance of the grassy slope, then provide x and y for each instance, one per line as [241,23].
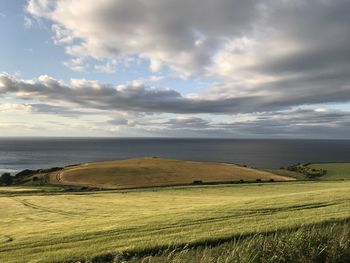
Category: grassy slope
[55,227]
[284,172]
[327,242]
[335,171]
[145,172]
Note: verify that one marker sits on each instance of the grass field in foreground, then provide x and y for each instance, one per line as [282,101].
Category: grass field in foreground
[326,242]
[56,227]
[335,171]
[148,171]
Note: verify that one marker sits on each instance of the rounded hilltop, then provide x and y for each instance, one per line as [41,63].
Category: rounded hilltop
[154,171]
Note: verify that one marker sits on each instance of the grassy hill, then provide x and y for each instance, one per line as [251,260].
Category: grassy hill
[287,173]
[76,226]
[335,171]
[146,172]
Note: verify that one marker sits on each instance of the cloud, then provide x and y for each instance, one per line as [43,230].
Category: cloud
[189,35]
[76,64]
[159,31]
[293,123]
[108,67]
[272,53]
[28,23]
[95,95]
[15,107]
[187,123]
[264,62]
[118,122]
[68,110]
[138,98]
[155,78]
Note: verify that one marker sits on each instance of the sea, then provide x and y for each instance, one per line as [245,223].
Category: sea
[17,154]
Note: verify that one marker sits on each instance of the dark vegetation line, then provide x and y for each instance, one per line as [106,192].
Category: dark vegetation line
[44,209]
[305,169]
[83,190]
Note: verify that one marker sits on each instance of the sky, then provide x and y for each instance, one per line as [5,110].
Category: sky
[175,68]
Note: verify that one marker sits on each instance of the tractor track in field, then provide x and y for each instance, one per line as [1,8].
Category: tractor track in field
[58,177]
[43,208]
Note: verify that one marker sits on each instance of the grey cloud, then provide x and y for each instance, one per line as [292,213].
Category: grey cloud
[118,122]
[311,22]
[106,97]
[302,123]
[296,123]
[187,123]
[41,108]
[320,32]
[95,95]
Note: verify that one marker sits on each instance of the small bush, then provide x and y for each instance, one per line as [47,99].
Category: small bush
[198,182]
[103,258]
[6,179]
[24,173]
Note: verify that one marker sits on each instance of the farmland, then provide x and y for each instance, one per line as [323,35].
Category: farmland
[49,225]
[335,171]
[148,172]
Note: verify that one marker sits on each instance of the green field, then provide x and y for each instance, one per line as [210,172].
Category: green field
[55,226]
[335,171]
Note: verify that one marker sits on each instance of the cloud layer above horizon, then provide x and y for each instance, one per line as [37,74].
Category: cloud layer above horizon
[260,68]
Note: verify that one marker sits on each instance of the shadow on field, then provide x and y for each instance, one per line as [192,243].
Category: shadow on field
[325,242]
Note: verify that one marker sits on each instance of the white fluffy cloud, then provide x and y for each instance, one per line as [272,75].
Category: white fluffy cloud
[245,43]
[182,35]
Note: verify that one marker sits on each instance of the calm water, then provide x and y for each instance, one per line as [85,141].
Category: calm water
[19,154]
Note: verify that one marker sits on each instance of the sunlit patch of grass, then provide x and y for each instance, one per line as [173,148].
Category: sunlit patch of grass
[149,172]
[59,227]
[285,172]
